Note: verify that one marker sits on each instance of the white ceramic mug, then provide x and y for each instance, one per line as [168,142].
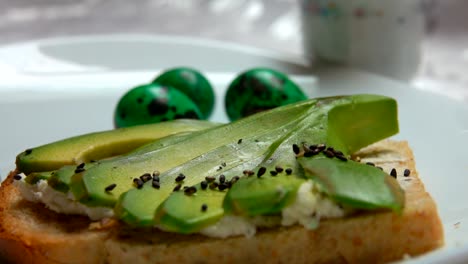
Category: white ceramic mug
[380,36]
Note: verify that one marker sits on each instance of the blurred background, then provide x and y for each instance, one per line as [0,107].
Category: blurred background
[266,24]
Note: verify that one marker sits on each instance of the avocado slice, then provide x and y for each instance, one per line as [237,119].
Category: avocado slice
[262,196]
[354,184]
[199,210]
[98,145]
[361,122]
[60,179]
[35,177]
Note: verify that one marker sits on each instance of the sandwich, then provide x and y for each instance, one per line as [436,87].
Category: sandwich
[312,182]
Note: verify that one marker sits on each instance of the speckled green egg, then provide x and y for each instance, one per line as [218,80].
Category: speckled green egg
[193,84]
[260,89]
[153,103]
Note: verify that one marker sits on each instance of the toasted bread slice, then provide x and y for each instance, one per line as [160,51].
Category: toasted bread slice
[30,233]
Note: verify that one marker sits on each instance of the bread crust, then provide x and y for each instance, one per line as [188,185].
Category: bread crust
[29,233]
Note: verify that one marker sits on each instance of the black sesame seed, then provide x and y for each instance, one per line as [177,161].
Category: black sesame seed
[190,190]
[380,168]
[273,173]
[279,169]
[177,187]
[138,182]
[156,173]
[309,153]
[223,164]
[204,185]
[316,151]
[219,168]
[234,180]
[341,156]
[17,177]
[222,178]
[146,177]
[110,187]
[81,166]
[92,161]
[296,149]
[261,171]
[406,172]
[204,207]
[289,171]
[370,163]
[156,178]
[180,177]
[28,151]
[248,172]
[393,173]
[156,184]
[321,147]
[329,153]
[338,153]
[239,141]
[210,178]
[78,170]
[213,185]
[222,186]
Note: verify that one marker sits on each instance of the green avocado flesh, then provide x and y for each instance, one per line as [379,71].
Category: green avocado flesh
[35,177]
[354,184]
[60,179]
[200,210]
[252,158]
[270,193]
[99,145]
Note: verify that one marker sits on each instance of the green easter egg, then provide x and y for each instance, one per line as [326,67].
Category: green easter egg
[193,84]
[153,103]
[260,89]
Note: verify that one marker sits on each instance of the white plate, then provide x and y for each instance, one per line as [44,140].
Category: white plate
[59,88]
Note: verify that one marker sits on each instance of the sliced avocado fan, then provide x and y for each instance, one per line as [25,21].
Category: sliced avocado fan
[99,145]
[254,146]
[187,181]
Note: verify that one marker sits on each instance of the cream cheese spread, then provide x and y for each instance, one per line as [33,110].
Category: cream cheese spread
[58,201]
[308,208]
